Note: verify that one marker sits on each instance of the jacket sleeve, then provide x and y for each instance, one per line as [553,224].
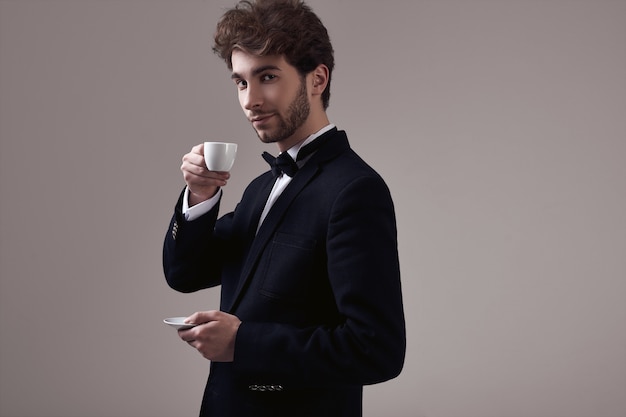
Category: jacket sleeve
[368,344]
[186,249]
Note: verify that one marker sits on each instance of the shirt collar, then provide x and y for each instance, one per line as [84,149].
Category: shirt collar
[293,151]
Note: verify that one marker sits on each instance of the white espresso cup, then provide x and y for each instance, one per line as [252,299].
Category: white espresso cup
[219,156]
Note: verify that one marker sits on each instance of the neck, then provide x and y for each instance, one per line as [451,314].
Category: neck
[314,123]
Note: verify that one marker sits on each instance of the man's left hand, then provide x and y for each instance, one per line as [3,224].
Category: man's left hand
[214,336]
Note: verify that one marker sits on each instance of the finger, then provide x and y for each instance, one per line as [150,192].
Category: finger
[216,175]
[189,336]
[191,165]
[204,184]
[196,318]
[205,316]
[196,159]
[192,161]
[204,178]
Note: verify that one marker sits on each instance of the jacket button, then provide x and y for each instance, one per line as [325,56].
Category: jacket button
[265,388]
[174,230]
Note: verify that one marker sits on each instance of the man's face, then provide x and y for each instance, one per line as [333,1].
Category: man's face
[273,97]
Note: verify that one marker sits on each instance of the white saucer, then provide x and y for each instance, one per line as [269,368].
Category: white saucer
[179,323]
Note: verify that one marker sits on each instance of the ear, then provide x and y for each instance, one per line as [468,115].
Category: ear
[319,79]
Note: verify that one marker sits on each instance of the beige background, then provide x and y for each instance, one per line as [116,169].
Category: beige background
[500,127]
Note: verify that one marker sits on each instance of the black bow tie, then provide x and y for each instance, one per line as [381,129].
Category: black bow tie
[284,163]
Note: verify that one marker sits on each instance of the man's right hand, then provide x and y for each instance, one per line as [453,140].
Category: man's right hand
[202,183]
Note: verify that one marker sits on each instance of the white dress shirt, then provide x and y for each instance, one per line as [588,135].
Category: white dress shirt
[192,213]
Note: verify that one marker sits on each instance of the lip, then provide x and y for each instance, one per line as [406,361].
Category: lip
[260,120]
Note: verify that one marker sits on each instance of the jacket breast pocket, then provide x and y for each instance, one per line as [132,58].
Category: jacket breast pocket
[289,270]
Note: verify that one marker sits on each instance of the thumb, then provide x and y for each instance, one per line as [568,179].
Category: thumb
[200,317]
[199,149]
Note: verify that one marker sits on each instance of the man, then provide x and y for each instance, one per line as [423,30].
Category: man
[311,306]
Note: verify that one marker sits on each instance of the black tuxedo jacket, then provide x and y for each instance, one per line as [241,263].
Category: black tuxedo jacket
[317,288]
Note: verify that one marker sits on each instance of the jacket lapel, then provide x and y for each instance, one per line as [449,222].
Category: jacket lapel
[259,203]
[328,151]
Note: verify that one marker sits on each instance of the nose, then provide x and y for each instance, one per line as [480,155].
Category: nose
[251,98]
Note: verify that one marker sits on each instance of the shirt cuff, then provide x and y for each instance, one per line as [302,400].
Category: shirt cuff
[192,213]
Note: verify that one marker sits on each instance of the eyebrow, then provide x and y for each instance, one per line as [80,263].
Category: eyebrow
[257,71]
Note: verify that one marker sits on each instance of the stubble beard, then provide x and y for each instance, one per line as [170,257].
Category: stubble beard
[297,113]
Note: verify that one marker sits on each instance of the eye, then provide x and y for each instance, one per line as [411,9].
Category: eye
[268,77]
[241,84]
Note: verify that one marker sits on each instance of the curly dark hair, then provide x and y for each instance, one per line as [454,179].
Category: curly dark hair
[276,27]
